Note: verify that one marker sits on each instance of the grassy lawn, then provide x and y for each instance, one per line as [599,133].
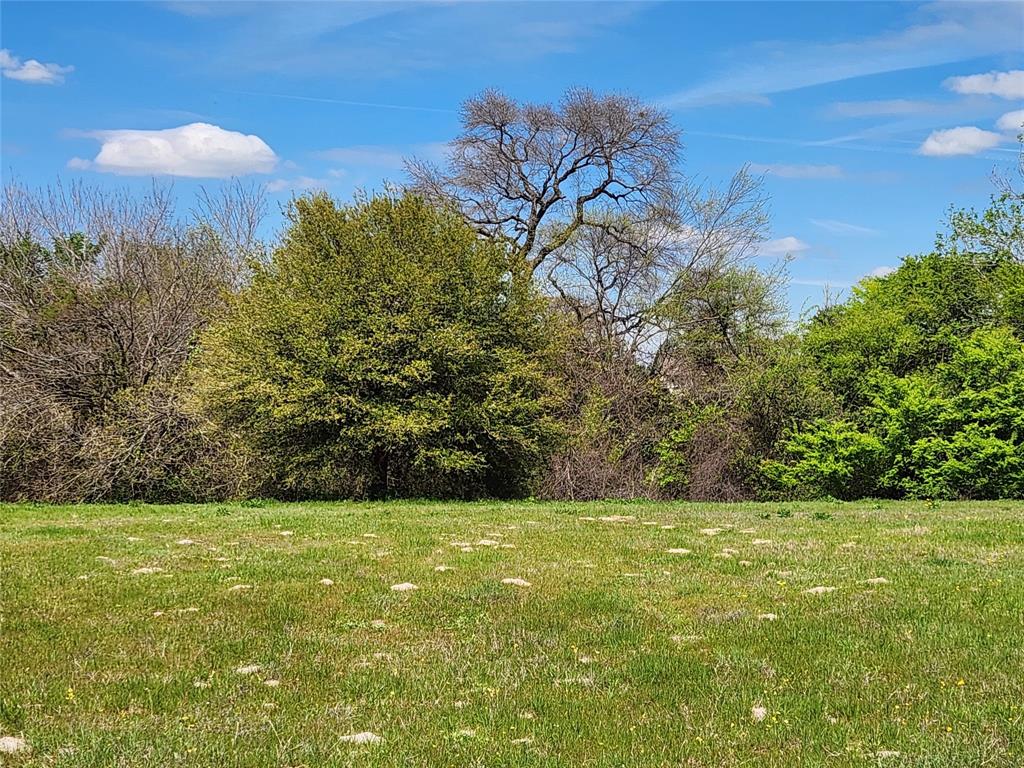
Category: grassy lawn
[153,636]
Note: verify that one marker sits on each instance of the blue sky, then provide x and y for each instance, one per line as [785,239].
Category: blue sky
[868,119]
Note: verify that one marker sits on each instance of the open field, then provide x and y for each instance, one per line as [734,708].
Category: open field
[153,636]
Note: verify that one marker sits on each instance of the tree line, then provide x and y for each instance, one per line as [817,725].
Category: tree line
[554,311]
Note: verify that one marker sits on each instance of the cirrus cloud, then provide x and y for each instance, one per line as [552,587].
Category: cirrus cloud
[799,171]
[197,150]
[965,140]
[298,184]
[31,71]
[837,227]
[879,108]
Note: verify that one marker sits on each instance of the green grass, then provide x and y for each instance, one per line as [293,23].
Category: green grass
[618,654]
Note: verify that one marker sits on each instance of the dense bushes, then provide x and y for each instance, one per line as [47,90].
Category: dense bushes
[101,296]
[954,432]
[460,346]
[927,365]
[385,350]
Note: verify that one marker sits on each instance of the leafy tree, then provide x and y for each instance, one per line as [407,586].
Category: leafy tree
[386,349]
[739,379]
[956,432]
[909,320]
[928,366]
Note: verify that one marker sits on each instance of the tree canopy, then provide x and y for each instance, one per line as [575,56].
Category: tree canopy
[386,349]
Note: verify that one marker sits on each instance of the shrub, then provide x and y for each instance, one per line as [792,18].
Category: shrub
[954,432]
[101,297]
[828,458]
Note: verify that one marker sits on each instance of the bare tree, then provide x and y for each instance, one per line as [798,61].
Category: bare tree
[536,174]
[101,297]
[626,281]
[588,194]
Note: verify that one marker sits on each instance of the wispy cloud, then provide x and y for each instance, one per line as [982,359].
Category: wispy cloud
[799,171]
[882,140]
[837,227]
[821,283]
[297,184]
[939,33]
[347,102]
[880,108]
[381,156]
[356,42]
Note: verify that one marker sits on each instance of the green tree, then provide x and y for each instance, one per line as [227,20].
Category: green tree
[910,320]
[385,350]
[927,365]
[740,381]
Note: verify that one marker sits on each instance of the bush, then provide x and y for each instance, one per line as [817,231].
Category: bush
[910,320]
[101,296]
[955,432]
[958,432]
[828,458]
[385,350]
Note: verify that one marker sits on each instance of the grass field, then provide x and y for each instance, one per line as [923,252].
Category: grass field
[203,636]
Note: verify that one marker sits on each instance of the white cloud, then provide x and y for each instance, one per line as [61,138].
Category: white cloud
[843,228]
[966,140]
[799,171]
[881,271]
[197,150]
[783,246]
[879,108]
[1011,122]
[1008,85]
[31,71]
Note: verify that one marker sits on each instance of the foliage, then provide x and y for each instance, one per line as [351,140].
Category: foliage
[386,349]
[829,458]
[955,433]
[739,380]
[927,364]
[911,319]
[613,412]
[958,433]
